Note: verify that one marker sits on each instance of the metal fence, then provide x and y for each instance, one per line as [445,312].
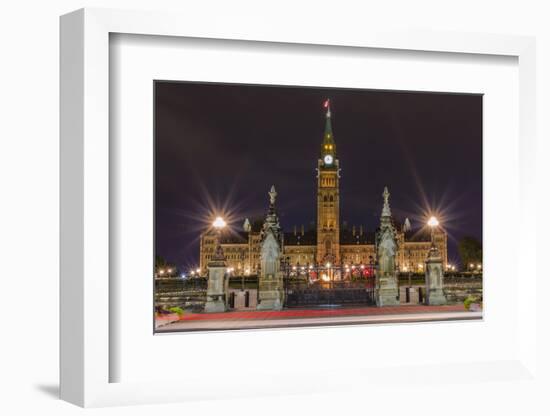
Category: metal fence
[335,293]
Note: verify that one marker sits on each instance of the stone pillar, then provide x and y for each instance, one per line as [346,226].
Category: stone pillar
[434,278]
[215,292]
[270,285]
[387,287]
[386,290]
[270,279]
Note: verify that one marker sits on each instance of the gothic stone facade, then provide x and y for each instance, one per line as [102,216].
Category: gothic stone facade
[330,242]
[242,250]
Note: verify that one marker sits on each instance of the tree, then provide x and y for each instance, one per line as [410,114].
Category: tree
[470,251]
[160,261]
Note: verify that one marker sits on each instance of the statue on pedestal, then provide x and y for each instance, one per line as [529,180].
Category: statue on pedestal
[387,288]
[270,284]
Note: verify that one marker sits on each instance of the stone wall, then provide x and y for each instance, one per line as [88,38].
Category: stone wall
[456,289]
[191,293]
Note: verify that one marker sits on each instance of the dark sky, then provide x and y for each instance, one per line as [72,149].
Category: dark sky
[219,147]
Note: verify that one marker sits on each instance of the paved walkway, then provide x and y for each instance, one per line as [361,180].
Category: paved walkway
[317,317]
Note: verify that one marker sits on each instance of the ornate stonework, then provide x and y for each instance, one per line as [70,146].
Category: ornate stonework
[328,198]
[270,283]
[387,287]
[216,290]
[434,278]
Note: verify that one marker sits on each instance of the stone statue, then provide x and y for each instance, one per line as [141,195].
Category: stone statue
[272,195]
[270,256]
[387,249]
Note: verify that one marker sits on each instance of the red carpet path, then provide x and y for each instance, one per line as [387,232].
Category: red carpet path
[315,313]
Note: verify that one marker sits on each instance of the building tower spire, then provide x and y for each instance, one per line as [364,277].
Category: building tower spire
[328,147]
[328,197]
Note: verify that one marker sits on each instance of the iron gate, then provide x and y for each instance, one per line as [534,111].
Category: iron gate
[336,293]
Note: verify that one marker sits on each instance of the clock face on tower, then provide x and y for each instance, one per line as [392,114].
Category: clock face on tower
[328,159]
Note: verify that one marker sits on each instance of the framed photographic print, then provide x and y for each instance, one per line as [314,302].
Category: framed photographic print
[233,253]
[281,213]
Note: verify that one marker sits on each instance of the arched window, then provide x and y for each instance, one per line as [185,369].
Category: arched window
[325,198]
[331,198]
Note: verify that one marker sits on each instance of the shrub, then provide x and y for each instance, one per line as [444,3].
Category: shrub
[176,309]
[468,301]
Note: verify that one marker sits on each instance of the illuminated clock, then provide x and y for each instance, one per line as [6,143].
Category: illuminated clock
[328,159]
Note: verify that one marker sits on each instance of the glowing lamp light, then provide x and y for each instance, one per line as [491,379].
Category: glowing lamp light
[219,223]
[433,222]
[327,265]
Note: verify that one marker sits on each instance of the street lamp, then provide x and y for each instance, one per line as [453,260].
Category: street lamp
[219,223]
[433,222]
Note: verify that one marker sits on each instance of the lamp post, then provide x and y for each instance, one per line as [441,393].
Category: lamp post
[216,292]
[433,223]
[410,266]
[242,272]
[219,224]
[434,271]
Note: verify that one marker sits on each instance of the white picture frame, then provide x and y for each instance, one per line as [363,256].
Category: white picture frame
[85,212]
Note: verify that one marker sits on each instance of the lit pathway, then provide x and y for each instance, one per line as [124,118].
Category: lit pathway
[317,317]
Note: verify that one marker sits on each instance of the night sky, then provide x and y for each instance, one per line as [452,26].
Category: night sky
[220,147]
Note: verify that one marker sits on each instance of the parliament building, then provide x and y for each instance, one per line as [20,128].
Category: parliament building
[330,243]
